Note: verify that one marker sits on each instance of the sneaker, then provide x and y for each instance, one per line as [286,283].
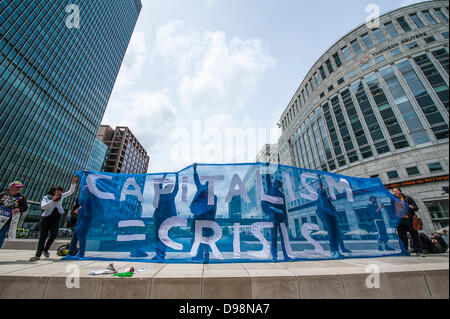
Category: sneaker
[389,248]
[420,255]
[336,255]
[34,258]
[380,248]
[274,261]
[346,251]
[46,254]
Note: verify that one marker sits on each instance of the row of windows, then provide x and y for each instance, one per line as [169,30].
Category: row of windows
[378,107]
[356,49]
[412,171]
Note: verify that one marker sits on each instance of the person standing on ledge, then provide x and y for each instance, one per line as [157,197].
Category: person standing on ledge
[202,210]
[406,223]
[277,214]
[375,212]
[166,209]
[52,208]
[11,202]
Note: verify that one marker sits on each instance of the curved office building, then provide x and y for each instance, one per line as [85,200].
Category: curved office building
[376,105]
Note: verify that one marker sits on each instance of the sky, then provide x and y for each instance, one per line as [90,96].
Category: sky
[206,81]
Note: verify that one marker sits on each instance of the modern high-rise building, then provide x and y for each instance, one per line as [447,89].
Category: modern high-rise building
[126,154]
[56,77]
[98,157]
[376,105]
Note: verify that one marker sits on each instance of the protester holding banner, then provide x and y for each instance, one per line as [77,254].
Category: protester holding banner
[327,214]
[406,223]
[165,209]
[375,212]
[202,210]
[52,208]
[11,202]
[277,214]
[72,224]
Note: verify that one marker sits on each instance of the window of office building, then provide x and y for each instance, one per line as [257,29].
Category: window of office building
[412,45]
[352,74]
[426,103]
[343,130]
[325,141]
[438,209]
[392,174]
[365,220]
[441,16]
[445,35]
[333,134]
[392,31]
[367,41]
[417,20]
[405,107]
[379,35]
[403,24]
[340,81]
[435,167]
[380,59]
[369,117]
[330,88]
[434,78]
[412,171]
[322,73]
[356,47]
[430,39]
[337,59]
[429,17]
[390,121]
[347,54]
[355,123]
[365,66]
[442,56]
[329,66]
[316,76]
[396,52]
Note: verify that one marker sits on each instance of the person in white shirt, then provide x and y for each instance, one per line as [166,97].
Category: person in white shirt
[52,208]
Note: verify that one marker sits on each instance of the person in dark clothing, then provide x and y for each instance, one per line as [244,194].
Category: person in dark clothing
[327,214]
[11,202]
[202,211]
[72,224]
[435,245]
[277,214]
[375,212]
[52,208]
[166,209]
[406,223]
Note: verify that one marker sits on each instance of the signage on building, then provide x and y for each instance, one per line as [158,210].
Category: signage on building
[393,46]
[419,181]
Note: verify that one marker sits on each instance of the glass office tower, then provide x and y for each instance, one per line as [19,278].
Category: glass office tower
[55,82]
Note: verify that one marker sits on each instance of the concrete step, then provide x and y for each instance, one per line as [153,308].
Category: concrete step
[399,278]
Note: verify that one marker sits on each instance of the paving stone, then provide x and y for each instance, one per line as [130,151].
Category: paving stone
[321,287]
[176,288]
[227,288]
[124,288]
[281,287]
[57,289]
[361,286]
[17,287]
[437,281]
[408,285]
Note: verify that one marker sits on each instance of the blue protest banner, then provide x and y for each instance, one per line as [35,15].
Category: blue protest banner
[235,213]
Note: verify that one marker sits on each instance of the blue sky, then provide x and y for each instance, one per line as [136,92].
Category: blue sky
[198,71]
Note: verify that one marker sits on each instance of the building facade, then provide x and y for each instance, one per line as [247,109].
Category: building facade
[126,154]
[98,157]
[55,81]
[268,154]
[376,105]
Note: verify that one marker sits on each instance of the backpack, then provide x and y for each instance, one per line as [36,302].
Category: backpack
[417,223]
[64,250]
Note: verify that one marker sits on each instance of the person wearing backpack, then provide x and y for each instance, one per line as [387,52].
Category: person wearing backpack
[52,208]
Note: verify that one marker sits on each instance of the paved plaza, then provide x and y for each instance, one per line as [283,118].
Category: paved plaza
[400,277]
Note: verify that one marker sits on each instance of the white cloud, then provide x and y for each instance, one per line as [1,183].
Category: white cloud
[404,3]
[214,80]
[133,63]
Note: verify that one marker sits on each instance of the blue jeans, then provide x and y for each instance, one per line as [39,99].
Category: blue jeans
[3,232]
[334,235]
[73,243]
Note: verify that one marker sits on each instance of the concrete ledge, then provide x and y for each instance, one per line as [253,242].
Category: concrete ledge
[398,278]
